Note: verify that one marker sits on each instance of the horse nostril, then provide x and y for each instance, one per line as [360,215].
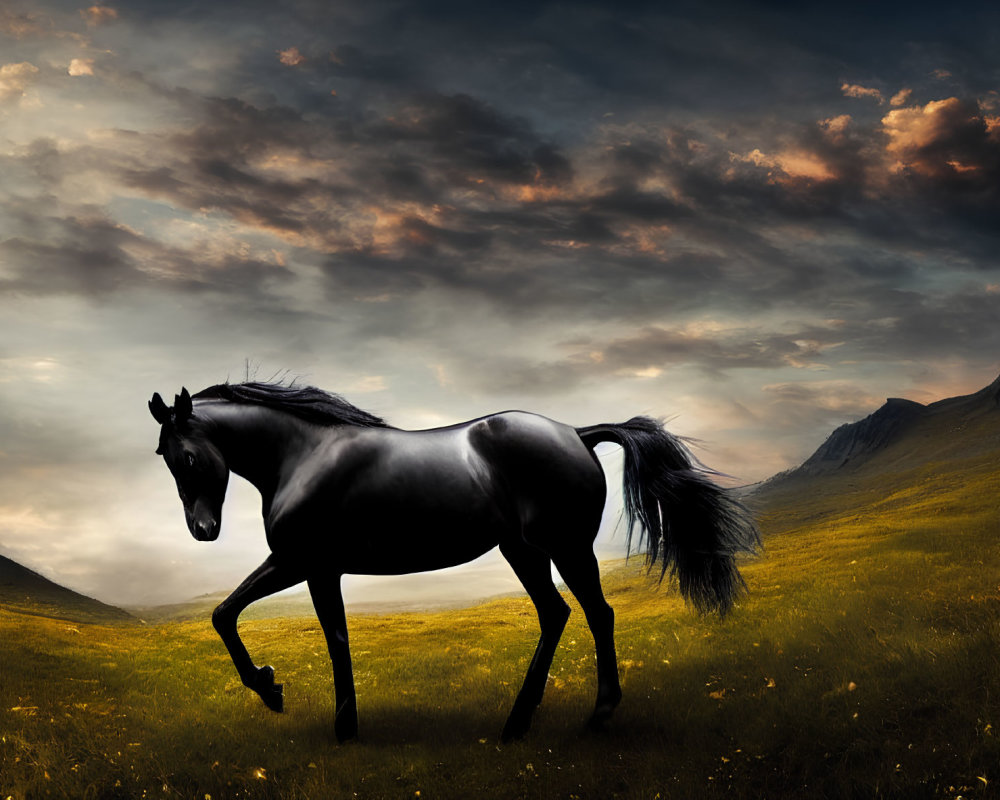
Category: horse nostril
[209,530]
[203,532]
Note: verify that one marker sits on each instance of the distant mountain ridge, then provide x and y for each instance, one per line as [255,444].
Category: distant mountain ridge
[903,433]
[854,440]
[24,590]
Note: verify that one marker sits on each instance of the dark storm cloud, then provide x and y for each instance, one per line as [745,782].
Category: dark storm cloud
[647,354]
[423,151]
[350,61]
[466,138]
[88,254]
[930,327]
[914,328]
[948,154]
[469,162]
[505,198]
[74,255]
[909,325]
[401,185]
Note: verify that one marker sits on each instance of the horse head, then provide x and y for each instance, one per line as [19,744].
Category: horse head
[195,462]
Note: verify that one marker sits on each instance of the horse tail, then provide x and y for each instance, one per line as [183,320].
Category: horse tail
[694,527]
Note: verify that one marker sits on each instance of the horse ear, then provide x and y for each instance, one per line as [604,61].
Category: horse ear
[182,406]
[159,409]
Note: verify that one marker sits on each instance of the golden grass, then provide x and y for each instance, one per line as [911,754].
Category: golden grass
[865,663]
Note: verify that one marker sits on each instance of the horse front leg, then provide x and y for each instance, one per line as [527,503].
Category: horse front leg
[268,578]
[329,603]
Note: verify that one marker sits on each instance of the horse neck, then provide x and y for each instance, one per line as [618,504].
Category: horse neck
[258,443]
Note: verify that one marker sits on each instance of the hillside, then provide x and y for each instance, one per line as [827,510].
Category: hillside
[903,443]
[24,590]
[863,663]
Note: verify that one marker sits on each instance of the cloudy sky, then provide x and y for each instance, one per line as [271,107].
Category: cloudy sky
[754,219]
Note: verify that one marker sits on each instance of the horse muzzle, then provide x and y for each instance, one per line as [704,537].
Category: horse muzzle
[205,531]
[203,523]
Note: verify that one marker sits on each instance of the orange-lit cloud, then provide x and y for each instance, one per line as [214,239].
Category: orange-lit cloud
[98,14]
[647,239]
[855,90]
[538,193]
[21,25]
[835,127]
[81,66]
[788,165]
[912,128]
[802,164]
[291,57]
[391,231]
[941,137]
[836,124]
[900,98]
[648,372]
[807,350]
[15,79]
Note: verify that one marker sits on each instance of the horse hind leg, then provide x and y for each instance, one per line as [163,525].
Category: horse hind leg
[580,572]
[532,568]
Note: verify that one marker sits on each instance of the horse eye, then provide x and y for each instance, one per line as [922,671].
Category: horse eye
[190,459]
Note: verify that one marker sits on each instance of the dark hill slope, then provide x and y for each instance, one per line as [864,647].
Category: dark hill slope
[901,444]
[24,590]
[855,441]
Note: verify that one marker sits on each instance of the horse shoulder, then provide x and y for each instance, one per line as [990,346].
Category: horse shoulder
[316,483]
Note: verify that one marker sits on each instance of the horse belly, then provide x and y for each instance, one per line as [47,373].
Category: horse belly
[396,521]
[400,537]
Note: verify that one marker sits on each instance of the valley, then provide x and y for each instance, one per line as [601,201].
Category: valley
[865,662]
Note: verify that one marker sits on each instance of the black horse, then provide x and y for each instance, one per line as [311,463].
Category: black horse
[345,493]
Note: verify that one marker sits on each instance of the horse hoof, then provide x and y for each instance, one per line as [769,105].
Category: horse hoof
[270,692]
[598,720]
[345,723]
[345,731]
[274,698]
[514,730]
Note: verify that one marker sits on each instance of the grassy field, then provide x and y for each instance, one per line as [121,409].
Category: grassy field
[865,663]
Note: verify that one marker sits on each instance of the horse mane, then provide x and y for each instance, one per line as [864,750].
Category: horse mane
[305,402]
